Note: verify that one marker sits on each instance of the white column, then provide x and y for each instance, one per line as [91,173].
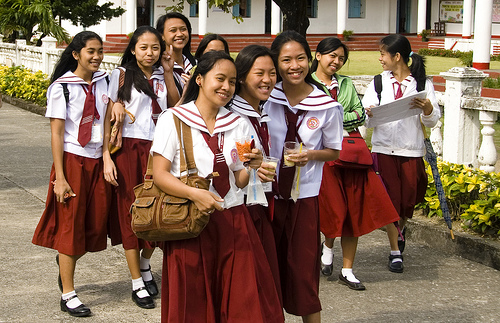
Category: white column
[202,17]
[482,34]
[275,19]
[422,14]
[131,16]
[467,23]
[341,17]
[487,156]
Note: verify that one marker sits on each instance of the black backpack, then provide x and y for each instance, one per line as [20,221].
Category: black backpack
[377,81]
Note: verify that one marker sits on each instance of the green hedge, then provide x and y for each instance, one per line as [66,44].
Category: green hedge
[20,82]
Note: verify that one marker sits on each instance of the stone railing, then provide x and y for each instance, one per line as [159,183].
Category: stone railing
[465,111]
[41,58]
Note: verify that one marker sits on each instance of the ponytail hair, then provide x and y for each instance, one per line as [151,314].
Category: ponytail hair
[326,46]
[206,63]
[134,76]
[288,36]
[67,62]
[397,43]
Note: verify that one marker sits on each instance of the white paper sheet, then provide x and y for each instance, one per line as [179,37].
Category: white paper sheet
[396,110]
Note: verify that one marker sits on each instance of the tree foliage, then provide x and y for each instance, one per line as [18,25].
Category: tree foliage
[85,13]
[294,11]
[29,16]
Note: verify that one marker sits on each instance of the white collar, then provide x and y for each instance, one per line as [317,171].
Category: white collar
[316,100]
[241,106]
[70,77]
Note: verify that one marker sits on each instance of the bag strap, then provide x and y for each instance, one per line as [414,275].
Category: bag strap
[378,86]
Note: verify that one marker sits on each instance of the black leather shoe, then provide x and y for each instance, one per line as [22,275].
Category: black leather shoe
[326,270]
[396,267]
[150,284]
[145,302]
[351,285]
[151,287]
[79,311]
[59,281]
[402,243]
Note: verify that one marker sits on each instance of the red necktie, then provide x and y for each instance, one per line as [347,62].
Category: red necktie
[399,92]
[286,174]
[154,104]
[221,182]
[333,92]
[89,112]
[262,132]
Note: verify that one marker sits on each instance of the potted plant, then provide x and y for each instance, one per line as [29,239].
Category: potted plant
[425,34]
[347,34]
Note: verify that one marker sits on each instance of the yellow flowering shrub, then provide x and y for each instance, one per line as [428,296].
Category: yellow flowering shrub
[20,82]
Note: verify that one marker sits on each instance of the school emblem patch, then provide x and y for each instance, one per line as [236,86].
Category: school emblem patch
[105,99]
[159,87]
[312,123]
[234,155]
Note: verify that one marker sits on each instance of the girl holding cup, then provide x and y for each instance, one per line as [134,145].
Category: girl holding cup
[303,113]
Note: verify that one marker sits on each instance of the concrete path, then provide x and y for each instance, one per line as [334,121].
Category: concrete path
[435,287]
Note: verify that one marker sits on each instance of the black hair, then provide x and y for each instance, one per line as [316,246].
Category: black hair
[245,59]
[160,26]
[205,65]
[326,46]
[396,43]
[134,76]
[67,62]
[204,44]
[288,36]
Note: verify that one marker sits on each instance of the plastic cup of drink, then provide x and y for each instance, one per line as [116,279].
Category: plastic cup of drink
[290,147]
[272,163]
[244,146]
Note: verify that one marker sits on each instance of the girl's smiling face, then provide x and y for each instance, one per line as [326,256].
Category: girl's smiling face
[147,51]
[175,33]
[90,57]
[259,81]
[217,86]
[293,64]
[388,61]
[332,62]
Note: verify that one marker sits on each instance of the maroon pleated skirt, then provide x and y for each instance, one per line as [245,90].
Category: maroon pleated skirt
[296,231]
[131,163]
[220,276]
[405,179]
[79,225]
[353,202]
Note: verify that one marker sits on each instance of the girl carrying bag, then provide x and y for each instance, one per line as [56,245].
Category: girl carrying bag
[157,216]
[354,153]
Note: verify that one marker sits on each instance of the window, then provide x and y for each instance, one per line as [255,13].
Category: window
[193,10]
[312,9]
[356,9]
[243,9]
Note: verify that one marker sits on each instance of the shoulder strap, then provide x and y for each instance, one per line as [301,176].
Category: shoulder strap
[65,92]
[378,86]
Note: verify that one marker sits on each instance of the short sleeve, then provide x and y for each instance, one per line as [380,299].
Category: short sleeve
[114,83]
[165,140]
[56,102]
[333,129]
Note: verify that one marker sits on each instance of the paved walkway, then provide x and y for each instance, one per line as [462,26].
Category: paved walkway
[435,287]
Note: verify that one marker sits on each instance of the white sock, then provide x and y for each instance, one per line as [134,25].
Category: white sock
[396,253]
[327,256]
[74,302]
[138,283]
[145,272]
[347,273]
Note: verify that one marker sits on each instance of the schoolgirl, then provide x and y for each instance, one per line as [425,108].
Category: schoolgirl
[76,211]
[222,275]
[147,78]
[352,201]
[209,43]
[399,145]
[256,77]
[175,29]
[300,111]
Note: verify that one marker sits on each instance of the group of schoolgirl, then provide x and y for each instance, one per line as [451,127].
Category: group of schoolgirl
[249,262]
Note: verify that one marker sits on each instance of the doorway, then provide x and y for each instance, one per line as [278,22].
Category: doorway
[145,13]
[267,23]
[403,17]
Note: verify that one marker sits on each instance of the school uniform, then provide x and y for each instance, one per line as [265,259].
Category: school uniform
[222,275]
[79,225]
[352,202]
[260,214]
[131,160]
[400,144]
[296,225]
[179,70]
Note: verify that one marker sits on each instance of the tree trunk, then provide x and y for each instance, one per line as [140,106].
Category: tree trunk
[294,15]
